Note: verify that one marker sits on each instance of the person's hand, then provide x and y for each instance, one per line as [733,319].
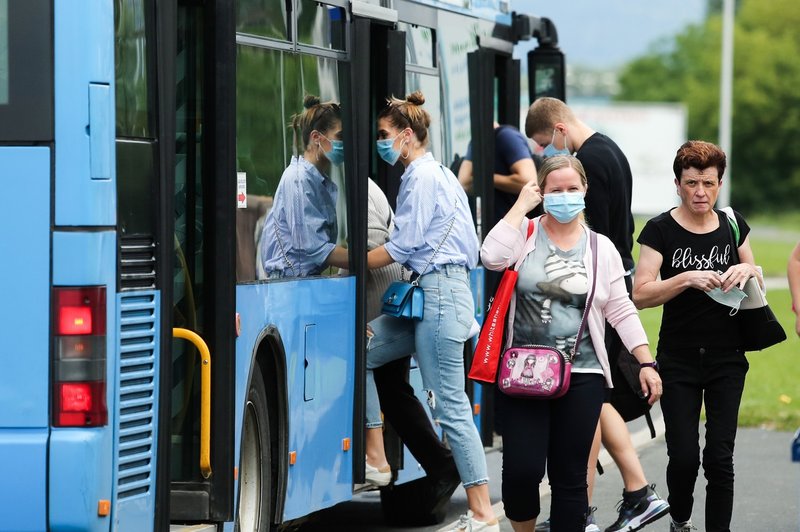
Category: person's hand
[650,381]
[530,196]
[704,280]
[737,275]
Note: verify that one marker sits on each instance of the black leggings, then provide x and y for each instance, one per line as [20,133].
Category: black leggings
[691,378]
[557,433]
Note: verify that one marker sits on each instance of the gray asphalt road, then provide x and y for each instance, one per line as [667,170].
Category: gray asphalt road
[767,489]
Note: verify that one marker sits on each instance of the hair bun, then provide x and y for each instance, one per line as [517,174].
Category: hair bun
[416,98]
[310,101]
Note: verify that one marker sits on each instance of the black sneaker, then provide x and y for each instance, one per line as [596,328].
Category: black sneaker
[634,516]
[544,526]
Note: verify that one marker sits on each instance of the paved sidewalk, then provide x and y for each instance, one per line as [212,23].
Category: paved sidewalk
[767,489]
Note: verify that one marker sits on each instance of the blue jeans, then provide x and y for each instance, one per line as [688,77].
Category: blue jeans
[438,341]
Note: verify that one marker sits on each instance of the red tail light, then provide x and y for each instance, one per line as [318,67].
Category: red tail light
[79,357]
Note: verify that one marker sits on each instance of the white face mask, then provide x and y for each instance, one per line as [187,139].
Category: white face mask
[732,298]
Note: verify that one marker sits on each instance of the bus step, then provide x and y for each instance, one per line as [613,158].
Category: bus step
[192,528]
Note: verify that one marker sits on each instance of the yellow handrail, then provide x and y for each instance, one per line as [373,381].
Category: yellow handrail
[205,396]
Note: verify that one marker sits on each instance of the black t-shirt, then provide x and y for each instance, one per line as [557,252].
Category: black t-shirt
[692,319]
[608,200]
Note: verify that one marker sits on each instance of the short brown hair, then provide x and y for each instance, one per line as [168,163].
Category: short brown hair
[701,155]
[408,113]
[544,113]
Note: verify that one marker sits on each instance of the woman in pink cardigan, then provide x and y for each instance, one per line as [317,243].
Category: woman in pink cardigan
[555,276]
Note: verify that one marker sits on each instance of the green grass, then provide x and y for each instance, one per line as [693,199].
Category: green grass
[772,255]
[787,221]
[772,391]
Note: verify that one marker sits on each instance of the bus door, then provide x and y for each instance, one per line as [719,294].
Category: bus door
[379,57]
[175,261]
[200,423]
[494,95]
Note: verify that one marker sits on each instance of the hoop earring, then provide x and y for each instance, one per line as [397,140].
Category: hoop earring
[408,151]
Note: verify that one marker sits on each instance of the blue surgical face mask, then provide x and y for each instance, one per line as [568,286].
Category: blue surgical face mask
[550,150]
[732,298]
[564,206]
[386,150]
[336,155]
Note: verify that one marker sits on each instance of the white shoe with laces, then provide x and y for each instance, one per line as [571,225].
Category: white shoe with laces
[377,477]
[467,523]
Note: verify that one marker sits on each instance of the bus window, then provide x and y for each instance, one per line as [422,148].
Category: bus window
[264,18]
[26,84]
[134,106]
[320,25]
[420,45]
[295,213]
[3,52]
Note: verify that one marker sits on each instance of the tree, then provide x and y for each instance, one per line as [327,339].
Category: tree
[766,95]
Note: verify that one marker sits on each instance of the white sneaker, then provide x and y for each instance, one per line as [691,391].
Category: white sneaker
[467,523]
[377,477]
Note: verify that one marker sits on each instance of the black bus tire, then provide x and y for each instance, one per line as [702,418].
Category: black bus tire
[255,471]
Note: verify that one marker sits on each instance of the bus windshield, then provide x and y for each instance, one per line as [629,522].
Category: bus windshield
[3,52]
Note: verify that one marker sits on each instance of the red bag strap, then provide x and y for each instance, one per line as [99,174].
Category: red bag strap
[531,225]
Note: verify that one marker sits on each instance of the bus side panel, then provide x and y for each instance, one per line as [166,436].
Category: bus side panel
[84,105]
[81,458]
[25,227]
[316,321]
[136,413]
[23,493]
[24,322]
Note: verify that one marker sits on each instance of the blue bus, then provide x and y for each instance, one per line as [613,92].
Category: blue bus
[150,378]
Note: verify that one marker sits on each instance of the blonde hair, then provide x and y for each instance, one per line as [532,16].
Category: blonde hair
[544,113]
[558,162]
[408,113]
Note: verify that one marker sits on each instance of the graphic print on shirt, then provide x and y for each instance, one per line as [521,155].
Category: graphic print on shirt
[566,282]
[716,258]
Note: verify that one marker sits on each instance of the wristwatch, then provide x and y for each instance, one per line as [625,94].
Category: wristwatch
[652,364]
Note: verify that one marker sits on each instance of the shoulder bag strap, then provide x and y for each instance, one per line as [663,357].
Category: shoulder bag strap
[518,264]
[733,232]
[590,299]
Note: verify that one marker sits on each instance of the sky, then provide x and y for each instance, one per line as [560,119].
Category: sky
[605,34]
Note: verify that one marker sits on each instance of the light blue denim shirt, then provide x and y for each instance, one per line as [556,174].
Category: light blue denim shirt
[429,197]
[301,229]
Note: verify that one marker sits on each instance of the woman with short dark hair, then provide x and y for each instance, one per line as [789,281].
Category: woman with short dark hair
[700,351]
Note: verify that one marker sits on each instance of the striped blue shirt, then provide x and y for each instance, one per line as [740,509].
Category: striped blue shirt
[301,229]
[429,198]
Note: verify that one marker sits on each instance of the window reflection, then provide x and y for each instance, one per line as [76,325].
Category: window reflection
[265,18]
[420,45]
[320,25]
[291,152]
[133,111]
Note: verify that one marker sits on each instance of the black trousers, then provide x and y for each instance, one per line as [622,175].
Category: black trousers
[691,378]
[557,433]
[408,417]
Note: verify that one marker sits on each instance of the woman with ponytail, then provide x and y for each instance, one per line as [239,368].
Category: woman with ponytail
[300,232]
[435,238]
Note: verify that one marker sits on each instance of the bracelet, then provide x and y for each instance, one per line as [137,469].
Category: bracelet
[652,364]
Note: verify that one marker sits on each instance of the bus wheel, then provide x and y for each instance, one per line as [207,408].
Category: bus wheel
[409,504]
[256,470]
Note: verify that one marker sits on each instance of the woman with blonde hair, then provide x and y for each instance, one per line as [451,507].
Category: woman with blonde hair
[555,266]
[435,238]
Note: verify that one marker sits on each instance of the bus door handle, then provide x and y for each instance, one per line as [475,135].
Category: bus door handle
[205,396]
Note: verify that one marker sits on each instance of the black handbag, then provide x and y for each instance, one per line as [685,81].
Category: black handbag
[758,326]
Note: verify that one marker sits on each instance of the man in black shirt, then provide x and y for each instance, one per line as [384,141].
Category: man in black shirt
[552,125]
